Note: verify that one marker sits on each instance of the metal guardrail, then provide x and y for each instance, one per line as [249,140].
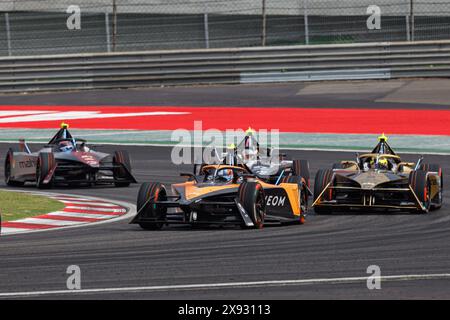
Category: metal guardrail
[225,66]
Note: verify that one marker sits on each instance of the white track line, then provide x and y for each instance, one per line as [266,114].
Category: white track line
[7,230]
[336,149]
[91,203]
[110,210]
[224,285]
[69,198]
[49,222]
[80,215]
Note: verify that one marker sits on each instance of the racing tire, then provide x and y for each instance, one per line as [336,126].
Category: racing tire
[45,163]
[323,177]
[7,172]
[121,158]
[301,168]
[148,193]
[420,184]
[293,179]
[252,198]
[436,202]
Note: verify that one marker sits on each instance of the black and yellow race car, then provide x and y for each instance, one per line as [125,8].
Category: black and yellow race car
[379,180]
[222,194]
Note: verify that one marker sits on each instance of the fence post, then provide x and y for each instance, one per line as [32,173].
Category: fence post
[264,24]
[413,31]
[206,25]
[108,41]
[407,13]
[305,18]
[8,33]
[114,26]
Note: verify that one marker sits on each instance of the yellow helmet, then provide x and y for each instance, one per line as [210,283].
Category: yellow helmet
[249,131]
[383,162]
[383,138]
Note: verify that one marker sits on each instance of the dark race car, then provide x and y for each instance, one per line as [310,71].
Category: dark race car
[263,162]
[66,160]
[379,180]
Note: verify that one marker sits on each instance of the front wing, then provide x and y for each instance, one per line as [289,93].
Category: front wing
[195,212]
[377,198]
[80,173]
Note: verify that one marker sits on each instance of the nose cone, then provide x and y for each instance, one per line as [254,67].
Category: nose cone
[371,179]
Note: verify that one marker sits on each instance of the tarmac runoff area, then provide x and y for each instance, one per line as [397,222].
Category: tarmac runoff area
[325,258]
[335,115]
[422,144]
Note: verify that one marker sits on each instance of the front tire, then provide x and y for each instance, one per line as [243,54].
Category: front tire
[301,168]
[420,183]
[8,167]
[436,202]
[148,194]
[251,197]
[323,177]
[45,163]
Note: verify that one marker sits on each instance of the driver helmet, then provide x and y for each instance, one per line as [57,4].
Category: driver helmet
[65,146]
[226,174]
[383,163]
[250,154]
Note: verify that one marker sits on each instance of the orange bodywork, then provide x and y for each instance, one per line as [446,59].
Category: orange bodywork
[192,191]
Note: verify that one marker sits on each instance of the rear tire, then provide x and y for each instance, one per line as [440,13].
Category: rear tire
[148,194]
[301,168]
[8,168]
[420,183]
[121,158]
[45,163]
[323,177]
[252,198]
[436,202]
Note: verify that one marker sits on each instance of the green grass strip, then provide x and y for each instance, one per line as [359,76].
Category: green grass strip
[18,205]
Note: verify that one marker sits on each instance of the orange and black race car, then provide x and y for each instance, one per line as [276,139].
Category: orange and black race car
[379,180]
[222,194]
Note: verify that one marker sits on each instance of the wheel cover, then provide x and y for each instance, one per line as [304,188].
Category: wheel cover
[303,201]
[8,170]
[259,209]
[38,173]
[427,197]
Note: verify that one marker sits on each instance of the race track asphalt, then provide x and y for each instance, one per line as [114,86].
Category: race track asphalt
[393,94]
[118,255]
